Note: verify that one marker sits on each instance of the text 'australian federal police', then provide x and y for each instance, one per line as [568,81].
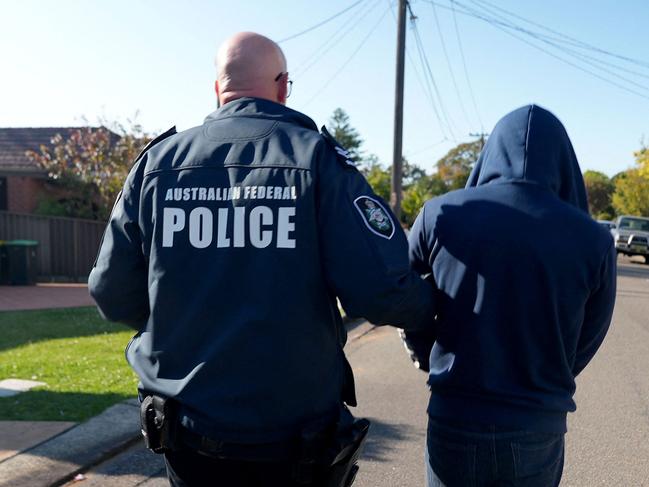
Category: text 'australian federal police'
[236,226]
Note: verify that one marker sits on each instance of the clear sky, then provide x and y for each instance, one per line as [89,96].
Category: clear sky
[70,59]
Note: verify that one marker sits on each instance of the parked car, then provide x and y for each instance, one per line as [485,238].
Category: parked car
[631,234]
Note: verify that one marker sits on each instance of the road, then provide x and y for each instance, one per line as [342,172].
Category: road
[608,439]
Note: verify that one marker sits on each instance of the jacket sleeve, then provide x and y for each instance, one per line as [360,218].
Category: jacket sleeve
[419,250]
[598,313]
[419,343]
[118,281]
[364,250]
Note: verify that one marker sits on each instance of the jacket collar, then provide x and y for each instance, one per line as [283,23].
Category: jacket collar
[260,108]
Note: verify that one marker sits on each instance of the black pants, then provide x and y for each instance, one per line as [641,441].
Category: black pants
[188,469]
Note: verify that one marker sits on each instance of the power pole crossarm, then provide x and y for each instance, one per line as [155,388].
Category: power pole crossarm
[397,156]
[482,135]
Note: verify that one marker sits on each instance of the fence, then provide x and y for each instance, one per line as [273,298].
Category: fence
[67,246]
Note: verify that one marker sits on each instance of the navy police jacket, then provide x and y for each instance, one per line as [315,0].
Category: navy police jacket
[526,280]
[226,252]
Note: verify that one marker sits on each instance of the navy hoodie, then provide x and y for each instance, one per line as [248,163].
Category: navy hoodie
[526,280]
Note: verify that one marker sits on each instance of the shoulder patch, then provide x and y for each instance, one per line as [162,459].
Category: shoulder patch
[342,155]
[156,140]
[375,216]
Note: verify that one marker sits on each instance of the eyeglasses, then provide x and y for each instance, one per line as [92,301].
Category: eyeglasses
[289,81]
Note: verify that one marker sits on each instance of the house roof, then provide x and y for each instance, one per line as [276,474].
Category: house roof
[15,142]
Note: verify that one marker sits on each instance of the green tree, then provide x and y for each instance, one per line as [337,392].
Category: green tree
[378,177]
[415,195]
[631,195]
[600,190]
[642,159]
[87,168]
[418,187]
[411,173]
[345,134]
[455,167]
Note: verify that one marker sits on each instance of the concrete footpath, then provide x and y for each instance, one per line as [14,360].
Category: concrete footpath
[43,296]
[62,457]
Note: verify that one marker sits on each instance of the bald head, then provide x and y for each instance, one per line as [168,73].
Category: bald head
[247,65]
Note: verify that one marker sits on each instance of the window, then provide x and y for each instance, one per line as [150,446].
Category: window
[635,224]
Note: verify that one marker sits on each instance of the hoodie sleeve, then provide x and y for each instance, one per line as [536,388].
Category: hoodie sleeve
[598,313]
[118,282]
[364,249]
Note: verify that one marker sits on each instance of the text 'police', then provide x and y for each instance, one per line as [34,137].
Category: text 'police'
[262,226]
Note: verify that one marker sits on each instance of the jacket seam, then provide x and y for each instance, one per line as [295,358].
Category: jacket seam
[261,116]
[424,231]
[527,141]
[155,172]
[263,135]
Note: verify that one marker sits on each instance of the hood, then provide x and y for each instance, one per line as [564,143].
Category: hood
[530,144]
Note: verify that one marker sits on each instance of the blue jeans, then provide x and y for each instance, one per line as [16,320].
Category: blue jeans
[460,455]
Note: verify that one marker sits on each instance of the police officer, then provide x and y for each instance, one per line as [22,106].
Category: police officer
[226,251]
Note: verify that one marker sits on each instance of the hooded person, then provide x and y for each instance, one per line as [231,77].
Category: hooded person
[526,289]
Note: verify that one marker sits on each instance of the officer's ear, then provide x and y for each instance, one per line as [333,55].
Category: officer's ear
[282,90]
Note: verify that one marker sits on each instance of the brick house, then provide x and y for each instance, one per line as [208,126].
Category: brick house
[22,181]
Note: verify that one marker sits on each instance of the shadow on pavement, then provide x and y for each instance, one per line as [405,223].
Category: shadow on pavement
[132,467]
[384,436]
[639,271]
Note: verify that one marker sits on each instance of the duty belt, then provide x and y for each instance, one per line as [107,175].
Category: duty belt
[263,452]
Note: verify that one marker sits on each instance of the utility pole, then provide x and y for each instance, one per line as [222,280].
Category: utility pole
[482,135]
[397,156]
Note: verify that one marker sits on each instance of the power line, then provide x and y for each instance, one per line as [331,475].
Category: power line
[431,77]
[576,42]
[505,26]
[608,63]
[350,58]
[429,87]
[335,38]
[586,59]
[320,24]
[424,86]
[570,63]
[444,124]
[466,71]
[426,148]
[594,62]
[448,63]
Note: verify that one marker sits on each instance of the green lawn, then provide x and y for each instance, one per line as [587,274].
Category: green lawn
[77,354]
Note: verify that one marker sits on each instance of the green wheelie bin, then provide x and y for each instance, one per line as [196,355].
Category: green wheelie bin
[22,262]
[4,264]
